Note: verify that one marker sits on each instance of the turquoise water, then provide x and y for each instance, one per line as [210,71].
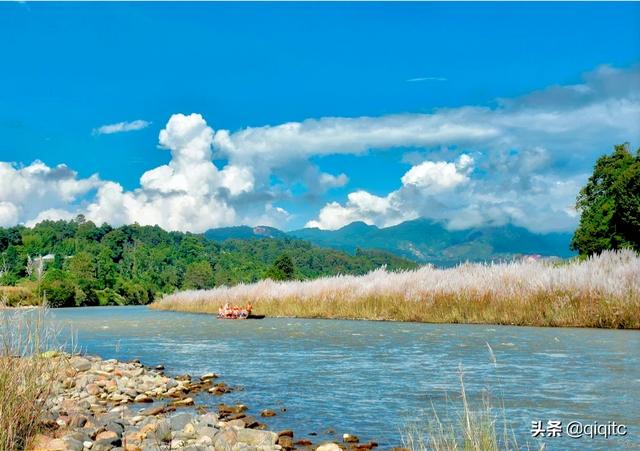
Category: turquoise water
[371,378]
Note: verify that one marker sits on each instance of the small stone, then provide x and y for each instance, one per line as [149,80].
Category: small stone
[103,445]
[115,427]
[73,444]
[285,433]
[92,389]
[208,376]
[142,398]
[108,436]
[78,421]
[225,409]
[267,413]
[285,442]
[80,364]
[303,442]
[348,438]
[182,402]
[87,444]
[136,419]
[152,411]
[217,390]
[189,429]
[328,447]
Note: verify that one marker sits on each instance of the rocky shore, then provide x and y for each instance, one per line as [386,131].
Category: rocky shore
[103,405]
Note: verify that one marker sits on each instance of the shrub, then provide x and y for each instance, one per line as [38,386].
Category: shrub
[133,293]
[109,297]
[59,288]
[16,296]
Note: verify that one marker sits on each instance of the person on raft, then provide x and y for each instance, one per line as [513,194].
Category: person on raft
[234,312]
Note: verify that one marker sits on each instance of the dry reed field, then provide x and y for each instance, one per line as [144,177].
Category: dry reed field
[601,291]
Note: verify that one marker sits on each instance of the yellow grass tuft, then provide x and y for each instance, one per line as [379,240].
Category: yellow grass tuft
[17,296]
[26,374]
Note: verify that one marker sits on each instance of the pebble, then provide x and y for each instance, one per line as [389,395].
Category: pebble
[329,447]
[348,438]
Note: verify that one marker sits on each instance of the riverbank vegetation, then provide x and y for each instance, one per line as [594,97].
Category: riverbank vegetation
[26,374]
[599,291]
[78,263]
[474,428]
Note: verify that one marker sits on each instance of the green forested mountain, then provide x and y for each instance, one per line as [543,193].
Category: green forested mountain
[421,240]
[427,241]
[79,263]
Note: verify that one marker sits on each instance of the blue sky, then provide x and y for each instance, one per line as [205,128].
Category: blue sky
[413,69]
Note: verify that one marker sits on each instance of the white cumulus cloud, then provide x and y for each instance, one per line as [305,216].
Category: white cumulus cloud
[29,191]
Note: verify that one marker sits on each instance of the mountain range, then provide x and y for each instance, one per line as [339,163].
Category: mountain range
[420,240]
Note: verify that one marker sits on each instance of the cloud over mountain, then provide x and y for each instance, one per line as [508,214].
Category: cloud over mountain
[521,161]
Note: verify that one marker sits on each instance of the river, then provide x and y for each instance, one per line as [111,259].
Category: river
[372,378]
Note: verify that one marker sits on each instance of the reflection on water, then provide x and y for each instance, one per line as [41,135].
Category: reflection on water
[370,378]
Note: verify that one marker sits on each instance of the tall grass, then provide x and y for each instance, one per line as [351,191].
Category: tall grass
[476,428]
[602,291]
[27,373]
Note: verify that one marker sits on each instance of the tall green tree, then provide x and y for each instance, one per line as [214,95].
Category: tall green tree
[610,204]
[199,275]
[59,288]
[83,269]
[282,268]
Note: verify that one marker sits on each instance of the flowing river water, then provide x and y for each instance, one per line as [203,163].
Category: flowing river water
[374,378]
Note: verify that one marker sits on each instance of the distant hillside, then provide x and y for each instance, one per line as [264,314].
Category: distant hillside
[420,240]
[243,233]
[427,241]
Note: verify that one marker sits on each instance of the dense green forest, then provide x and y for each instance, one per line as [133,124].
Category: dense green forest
[78,263]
